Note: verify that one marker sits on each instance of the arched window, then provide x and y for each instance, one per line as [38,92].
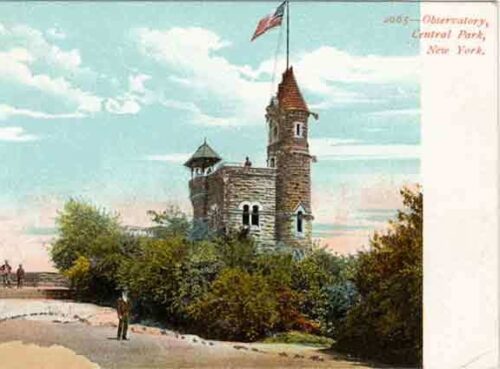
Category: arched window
[246,215]
[255,215]
[272,163]
[299,129]
[275,132]
[300,222]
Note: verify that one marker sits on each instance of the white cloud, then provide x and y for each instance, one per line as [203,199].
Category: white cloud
[122,105]
[193,56]
[396,112]
[136,83]
[170,158]
[34,40]
[330,149]
[8,111]
[56,33]
[15,134]
[14,66]
[130,102]
[197,116]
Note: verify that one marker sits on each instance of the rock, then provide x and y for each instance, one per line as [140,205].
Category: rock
[316,358]
[297,356]
[240,347]
[283,354]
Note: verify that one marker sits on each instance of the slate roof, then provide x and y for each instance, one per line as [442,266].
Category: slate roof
[204,155]
[289,95]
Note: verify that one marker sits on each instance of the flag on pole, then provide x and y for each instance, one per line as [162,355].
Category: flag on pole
[270,21]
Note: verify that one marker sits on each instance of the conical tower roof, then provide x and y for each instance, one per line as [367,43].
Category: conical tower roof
[204,156]
[289,95]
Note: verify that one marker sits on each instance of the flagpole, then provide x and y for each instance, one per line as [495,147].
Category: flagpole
[287,32]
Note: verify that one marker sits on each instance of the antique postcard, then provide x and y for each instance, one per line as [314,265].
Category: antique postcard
[248,184]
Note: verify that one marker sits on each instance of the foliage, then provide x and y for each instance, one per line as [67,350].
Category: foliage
[222,287]
[301,338]
[82,227]
[89,248]
[237,251]
[386,321]
[79,273]
[171,222]
[314,278]
[166,275]
[242,306]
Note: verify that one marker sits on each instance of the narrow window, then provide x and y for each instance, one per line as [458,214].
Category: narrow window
[300,222]
[255,215]
[275,132]
[246,215]
[272,163]
[297,129]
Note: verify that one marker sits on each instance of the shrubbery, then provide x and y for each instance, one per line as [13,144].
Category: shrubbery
[221,287]
[386,321]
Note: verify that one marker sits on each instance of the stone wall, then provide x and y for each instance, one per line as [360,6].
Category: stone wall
[217,199]
[293,176]
[252,186]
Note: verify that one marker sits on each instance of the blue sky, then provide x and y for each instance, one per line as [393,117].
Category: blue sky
[105,100]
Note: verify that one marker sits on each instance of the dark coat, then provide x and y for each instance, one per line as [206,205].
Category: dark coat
[123,308]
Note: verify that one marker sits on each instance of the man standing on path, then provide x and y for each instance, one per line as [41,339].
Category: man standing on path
[20,276]
[5,271]
[123,310]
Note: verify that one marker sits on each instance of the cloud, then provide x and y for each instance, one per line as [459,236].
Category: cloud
[14,66]
[396,112]
[122,105]
[170,158]
[193,56]
[136,83]
[332,149]
[29,49]
[131,101]
[34,41]
[197,116]
[15,134]
[56,33]
[8,111]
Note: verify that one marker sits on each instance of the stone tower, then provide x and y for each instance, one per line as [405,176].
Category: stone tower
[201,163]
[288,151]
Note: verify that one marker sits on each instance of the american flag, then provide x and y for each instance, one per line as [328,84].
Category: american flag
[270,21]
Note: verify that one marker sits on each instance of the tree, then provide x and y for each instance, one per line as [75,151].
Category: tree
[89,249]
[386,321]
[155,275]
[238,306]
[171,222]
[81,227]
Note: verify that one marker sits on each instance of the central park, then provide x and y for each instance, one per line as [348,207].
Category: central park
[191,287]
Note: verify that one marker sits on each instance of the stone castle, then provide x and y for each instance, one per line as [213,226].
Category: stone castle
[273,203]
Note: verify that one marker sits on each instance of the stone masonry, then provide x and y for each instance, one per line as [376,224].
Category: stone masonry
[281,192]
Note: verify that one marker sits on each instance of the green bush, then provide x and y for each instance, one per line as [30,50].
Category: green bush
[386,322]
[300,338]
[239,306]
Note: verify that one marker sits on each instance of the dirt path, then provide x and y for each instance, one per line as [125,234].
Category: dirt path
[147,349]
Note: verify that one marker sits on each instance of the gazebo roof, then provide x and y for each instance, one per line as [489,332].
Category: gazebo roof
[203,156]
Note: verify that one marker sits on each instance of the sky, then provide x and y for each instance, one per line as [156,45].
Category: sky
[105,101]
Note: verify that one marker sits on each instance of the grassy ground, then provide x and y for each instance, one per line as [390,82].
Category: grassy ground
[301,338]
